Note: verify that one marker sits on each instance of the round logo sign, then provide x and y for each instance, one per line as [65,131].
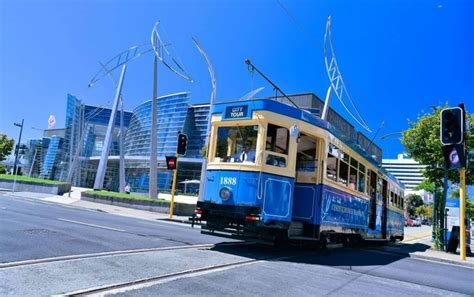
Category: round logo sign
[453,157]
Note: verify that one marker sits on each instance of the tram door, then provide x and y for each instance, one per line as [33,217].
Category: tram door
[306,169]
[384,208]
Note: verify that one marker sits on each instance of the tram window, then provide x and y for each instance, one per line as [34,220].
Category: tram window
[353,178]
[331,168]
[391,198]
[354,163]
[273,160]
[236,144]
[344,157]
[361,184]
[343,173]
[277,139]
[306,156]
[372,184]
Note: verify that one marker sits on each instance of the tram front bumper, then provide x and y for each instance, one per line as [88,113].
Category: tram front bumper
[237,218]
[231,213]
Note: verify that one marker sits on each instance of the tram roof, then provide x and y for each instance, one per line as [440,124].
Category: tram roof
[299,114]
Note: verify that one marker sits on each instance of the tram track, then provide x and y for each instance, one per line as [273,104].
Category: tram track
[113,253]
[164,278]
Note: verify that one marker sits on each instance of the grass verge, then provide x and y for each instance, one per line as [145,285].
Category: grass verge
[34,180]
[122,195]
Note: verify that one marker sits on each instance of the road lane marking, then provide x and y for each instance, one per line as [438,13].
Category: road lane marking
[91,225]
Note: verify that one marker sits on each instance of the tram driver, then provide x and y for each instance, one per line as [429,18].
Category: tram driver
[245,155]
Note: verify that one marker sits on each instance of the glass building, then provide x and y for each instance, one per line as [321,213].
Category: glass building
[50,170]
[86,127]
[174,114]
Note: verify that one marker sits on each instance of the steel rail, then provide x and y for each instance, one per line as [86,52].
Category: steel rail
[154,280]
[107,254]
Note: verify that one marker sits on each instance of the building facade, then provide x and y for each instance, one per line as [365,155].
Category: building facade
[86,126]
[410,173]
[84,136]
[174,114]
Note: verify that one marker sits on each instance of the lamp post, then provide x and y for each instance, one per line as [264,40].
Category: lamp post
[17,150]
[208,128]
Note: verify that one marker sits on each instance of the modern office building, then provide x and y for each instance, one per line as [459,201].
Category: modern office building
[43,156]
[174,114]
[86,126]
[406,170]
[410,173]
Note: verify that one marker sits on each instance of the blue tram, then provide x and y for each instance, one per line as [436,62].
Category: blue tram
[278,172]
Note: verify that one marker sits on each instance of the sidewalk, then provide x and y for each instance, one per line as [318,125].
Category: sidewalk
[75,201]
[419,246]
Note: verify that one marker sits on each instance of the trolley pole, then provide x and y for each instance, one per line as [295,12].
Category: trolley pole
[173,188]
[462,207]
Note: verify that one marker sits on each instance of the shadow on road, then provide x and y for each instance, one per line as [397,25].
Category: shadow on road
[366,255]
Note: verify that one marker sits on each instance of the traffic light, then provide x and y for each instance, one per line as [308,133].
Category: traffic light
[182,143]
[171,162]
[452,126]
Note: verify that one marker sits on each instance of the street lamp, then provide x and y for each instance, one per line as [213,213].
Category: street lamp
[17,150]
[17,147]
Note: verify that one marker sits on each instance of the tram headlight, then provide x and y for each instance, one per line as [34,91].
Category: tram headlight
[225,193]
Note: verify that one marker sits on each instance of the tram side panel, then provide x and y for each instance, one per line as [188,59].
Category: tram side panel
[307,203]
[395,227]
[342,212]
[231,195]
[331,209]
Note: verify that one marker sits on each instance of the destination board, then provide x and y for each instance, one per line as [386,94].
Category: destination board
[236,112]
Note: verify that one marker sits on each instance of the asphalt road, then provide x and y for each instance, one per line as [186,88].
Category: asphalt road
[345,272]
[32,229]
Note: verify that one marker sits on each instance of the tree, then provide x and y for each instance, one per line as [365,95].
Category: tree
[426,185]
[422,142]
[425,211]
[414,201]
[6,146]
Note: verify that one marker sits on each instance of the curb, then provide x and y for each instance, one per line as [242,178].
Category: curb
[413,255]
[466,264]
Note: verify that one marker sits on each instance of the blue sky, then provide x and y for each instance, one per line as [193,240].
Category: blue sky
[397,57]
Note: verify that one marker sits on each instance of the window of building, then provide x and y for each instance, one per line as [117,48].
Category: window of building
[236,144]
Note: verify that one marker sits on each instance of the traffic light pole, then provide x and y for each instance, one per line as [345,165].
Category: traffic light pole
[462,209]
[173,188]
